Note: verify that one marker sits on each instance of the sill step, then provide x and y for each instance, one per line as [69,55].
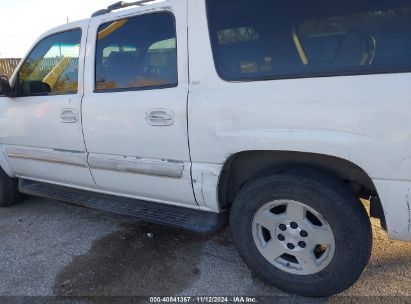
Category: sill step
[178,217]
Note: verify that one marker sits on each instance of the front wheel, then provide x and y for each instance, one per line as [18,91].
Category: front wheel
[9,194]
[304,233]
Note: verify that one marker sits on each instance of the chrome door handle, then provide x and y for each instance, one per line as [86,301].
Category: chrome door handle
[69,115]
[160,117]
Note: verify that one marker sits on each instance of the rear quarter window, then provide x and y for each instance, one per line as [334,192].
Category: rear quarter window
[266,39]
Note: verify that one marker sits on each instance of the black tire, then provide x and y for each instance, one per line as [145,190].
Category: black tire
[9,194]
[334,201]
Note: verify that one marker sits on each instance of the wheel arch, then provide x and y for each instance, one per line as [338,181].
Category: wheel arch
[243,166]
[4,164]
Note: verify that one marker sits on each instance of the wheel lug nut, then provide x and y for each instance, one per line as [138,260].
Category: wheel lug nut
[304,233]
[293,225]
[302,244]
[290,246]
[281,237]
[283,227]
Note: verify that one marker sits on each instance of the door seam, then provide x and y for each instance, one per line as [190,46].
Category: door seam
[81,103]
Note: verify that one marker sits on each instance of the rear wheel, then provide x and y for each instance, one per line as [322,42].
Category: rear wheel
[9,194]
[302,232]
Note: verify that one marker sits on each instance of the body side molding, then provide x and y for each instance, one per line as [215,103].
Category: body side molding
[165,168]
[74,158]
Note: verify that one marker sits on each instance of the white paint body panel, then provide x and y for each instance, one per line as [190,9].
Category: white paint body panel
[362,119]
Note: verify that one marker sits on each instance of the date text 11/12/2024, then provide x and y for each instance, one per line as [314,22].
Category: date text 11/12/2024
[236,299]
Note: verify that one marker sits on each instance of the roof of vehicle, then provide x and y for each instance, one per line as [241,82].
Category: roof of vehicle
[109,9]
[122,4]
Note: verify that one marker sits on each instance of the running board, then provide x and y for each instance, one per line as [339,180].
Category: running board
[179,217]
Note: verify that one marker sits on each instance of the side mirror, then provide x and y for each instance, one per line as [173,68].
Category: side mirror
[5,88]
[37,87]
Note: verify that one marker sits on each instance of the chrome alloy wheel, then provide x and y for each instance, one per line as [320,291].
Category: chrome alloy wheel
[293,237]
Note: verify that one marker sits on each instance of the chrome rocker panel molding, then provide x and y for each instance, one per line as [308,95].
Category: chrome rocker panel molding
[74,158]
[166,168]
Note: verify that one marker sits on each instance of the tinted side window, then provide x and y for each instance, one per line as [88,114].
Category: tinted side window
[265,39]
[52,66]
[139,52]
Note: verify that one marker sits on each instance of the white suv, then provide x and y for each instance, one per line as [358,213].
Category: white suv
[280,115]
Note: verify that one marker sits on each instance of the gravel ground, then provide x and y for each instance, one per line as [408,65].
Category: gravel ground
[49,248]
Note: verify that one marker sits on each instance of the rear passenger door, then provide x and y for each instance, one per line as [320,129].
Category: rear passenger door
[134,108]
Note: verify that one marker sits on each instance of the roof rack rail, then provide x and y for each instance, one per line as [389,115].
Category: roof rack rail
[119,5]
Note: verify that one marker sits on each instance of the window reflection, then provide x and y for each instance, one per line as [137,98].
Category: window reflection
[139,52]
[266,39]
[52,66]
